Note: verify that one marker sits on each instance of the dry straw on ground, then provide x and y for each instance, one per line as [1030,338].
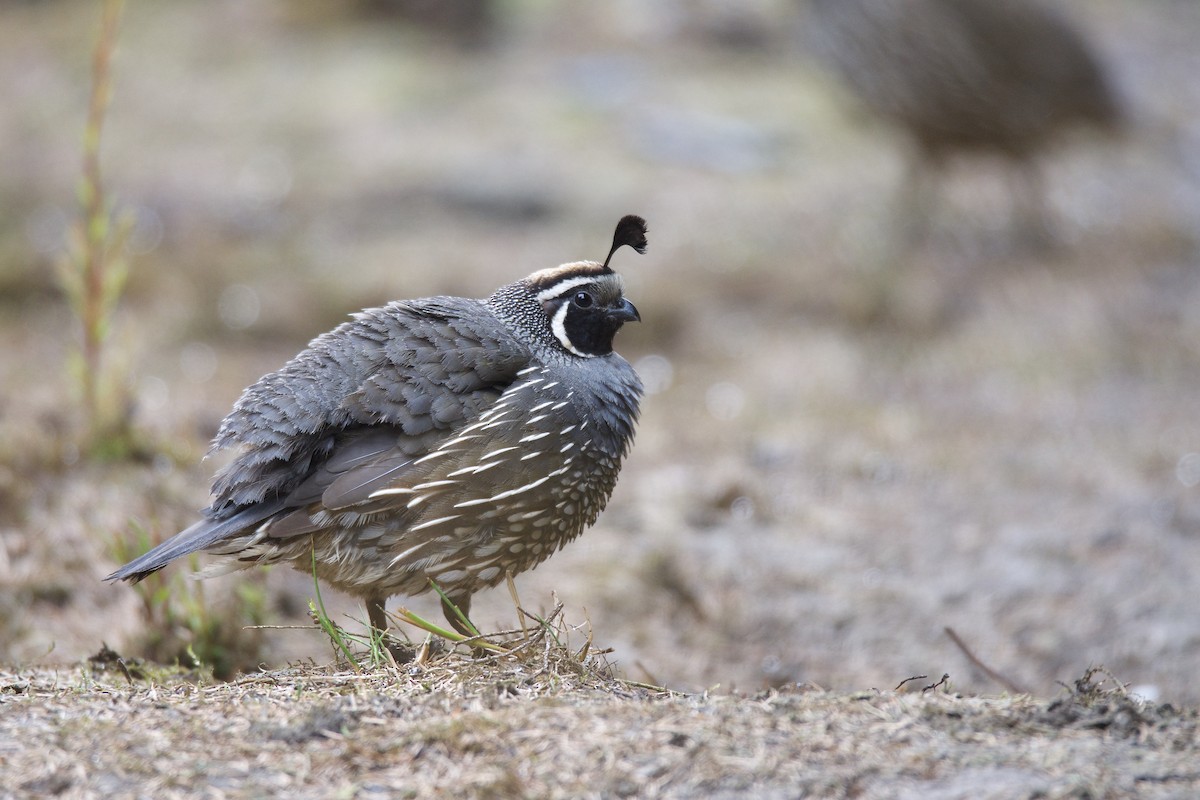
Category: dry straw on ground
[555,722]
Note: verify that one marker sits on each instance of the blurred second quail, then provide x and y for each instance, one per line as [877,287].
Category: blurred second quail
[1006,77]
[444,439]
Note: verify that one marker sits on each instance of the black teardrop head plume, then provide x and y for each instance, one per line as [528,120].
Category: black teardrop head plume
[631,230]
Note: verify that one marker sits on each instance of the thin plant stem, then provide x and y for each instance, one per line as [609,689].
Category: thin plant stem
[95,270]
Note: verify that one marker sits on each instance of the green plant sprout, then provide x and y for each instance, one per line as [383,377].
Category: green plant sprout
[182,627]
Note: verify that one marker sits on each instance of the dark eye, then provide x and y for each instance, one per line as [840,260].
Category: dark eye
[583,299]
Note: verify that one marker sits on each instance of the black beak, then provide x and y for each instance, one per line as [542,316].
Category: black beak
[626,312]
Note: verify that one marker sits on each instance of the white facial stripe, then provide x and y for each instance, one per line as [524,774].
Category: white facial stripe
[559,326]
[559,288]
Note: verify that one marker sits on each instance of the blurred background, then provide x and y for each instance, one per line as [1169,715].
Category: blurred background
[864,425]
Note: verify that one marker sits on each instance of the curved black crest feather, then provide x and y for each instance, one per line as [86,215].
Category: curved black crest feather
[631,230]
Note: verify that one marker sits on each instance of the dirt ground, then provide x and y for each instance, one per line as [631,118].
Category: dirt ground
[849,446]
[505,730]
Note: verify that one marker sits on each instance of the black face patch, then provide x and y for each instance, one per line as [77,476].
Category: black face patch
[585,312]
[585,330]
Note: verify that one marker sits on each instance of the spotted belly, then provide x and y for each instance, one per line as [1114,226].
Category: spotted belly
[503,494]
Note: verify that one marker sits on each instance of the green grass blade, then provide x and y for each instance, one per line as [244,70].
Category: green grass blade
[331,630]
[457,611]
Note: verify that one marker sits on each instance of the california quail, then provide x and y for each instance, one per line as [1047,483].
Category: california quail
[999,76]
[444,439]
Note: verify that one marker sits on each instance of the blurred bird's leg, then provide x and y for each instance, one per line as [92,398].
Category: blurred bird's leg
[463,604]
[888,247]
[1031,218]
[914,202]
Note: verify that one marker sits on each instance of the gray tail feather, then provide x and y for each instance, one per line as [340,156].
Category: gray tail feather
[204,534]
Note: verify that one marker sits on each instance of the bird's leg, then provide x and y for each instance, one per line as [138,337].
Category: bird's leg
[401,651]
[463,603]
[377,614]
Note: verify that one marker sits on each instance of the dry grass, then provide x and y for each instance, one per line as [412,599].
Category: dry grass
[533,727]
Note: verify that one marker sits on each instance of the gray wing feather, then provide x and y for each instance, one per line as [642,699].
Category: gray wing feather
[388,366]
[348,415]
